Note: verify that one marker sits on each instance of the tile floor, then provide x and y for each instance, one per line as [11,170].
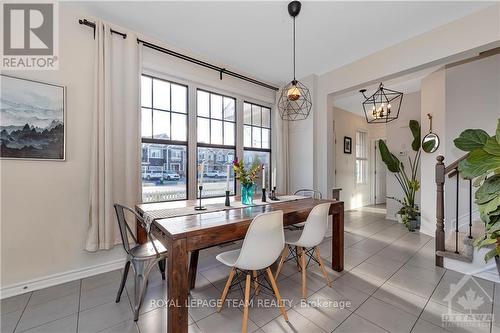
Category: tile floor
[390,283]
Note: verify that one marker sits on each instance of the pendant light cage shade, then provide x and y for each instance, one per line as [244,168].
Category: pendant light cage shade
[383,106]
[294,102]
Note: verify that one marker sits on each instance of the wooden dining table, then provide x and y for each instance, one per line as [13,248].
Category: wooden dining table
[184,236]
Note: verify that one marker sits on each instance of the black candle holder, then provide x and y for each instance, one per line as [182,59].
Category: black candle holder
[273,196]
[264,197]
[200,207]
[228,203]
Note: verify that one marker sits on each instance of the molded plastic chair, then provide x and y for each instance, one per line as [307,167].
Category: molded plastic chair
[306,243]
[306,193]
[262,246]
[142,256]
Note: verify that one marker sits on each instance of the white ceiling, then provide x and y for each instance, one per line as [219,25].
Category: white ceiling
[352,101]
[256,37]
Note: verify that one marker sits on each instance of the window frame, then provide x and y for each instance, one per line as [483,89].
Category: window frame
[270,128]
[365,158]
[211,145]
[152,140]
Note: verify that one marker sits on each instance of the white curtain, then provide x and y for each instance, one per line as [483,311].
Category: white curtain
[115,146]
[281,157]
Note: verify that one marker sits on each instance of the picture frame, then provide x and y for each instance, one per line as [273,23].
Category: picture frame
[347,145]
[33,117]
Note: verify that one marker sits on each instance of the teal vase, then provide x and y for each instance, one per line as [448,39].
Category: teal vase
[247,193]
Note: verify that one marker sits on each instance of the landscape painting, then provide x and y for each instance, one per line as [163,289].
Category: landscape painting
[32,119]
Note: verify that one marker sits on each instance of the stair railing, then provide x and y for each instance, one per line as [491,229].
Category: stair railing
[442,172]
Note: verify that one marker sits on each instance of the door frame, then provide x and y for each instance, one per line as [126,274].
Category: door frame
[374,169]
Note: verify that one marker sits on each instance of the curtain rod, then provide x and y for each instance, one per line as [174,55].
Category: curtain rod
[202,63]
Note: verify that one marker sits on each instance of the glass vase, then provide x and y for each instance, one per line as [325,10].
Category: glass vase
[247,193]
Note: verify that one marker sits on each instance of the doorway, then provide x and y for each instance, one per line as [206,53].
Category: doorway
[379,175]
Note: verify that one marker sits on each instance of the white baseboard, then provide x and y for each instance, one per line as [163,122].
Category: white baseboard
[55,279]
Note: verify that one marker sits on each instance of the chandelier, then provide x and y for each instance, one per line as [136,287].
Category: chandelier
[383,106]
[295,99]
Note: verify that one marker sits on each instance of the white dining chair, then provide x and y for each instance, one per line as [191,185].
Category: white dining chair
[262,246]
[302,244]
[314,194]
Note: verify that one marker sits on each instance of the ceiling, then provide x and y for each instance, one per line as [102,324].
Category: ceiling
[256,37]
[352,101]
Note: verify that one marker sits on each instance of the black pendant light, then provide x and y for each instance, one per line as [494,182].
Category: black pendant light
[295,99]
[383,106]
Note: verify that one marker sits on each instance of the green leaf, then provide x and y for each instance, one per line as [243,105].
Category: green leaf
[491,254]
[415,131]
[492,147]
[490,206]
[498,132]
[471,139]
[478,163]
[392,162]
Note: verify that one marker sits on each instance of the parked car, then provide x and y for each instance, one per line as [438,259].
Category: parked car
[211,174]
[152,175]
[171,175]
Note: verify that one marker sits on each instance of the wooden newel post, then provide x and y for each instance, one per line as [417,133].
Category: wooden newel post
[440,174]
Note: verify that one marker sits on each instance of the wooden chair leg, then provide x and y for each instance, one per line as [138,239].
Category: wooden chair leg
[284,254]
[247,303]
[303,268]
[256,283]
[226,290]
[277,292]
[322,266]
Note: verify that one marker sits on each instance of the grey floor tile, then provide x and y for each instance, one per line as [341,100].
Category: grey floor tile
[129,326]
[155,321]
[322,311]
[101,279]
[102,294]
[104,316]
[357,324]
[387,316]
[55,292]
[296,323]
[10,320]
[434,312]
[43,313]
[423,326]
[228,320]
[342,293]
[361,282]
[203,302]
[374,271]
[63,325]
[14,303]
[401,299]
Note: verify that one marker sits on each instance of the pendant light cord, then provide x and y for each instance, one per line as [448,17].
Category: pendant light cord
[294,48]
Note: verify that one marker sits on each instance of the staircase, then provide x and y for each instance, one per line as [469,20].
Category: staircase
[454,245]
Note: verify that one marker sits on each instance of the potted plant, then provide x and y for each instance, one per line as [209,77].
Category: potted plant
[247,179]
[483,165]
[409,183]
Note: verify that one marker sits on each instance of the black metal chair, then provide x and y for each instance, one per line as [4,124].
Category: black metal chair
[143,257]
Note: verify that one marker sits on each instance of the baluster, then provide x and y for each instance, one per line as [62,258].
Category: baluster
[456,213]
[470,208]
[439,209]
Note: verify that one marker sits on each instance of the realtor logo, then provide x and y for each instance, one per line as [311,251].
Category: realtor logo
[29,36]
[469,305]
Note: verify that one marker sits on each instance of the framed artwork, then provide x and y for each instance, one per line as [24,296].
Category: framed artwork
[347,145]
[33,120]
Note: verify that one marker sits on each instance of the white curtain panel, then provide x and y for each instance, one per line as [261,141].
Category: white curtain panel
[280,158]
[115,144]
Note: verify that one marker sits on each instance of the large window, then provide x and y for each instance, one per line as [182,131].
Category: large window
[164,125]
[257,138]
[361,157]
[216,127]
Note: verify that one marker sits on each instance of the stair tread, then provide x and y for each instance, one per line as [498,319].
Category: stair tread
[453,255]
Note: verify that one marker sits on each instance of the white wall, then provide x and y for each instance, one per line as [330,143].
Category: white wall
[399,140]
[44,205]
[457,40]
[472,101]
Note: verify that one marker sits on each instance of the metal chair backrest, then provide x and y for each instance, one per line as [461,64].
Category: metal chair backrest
[125,231]
[309,193]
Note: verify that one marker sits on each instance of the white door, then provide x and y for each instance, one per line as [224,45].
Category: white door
[379,176]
